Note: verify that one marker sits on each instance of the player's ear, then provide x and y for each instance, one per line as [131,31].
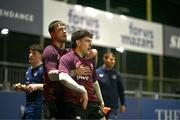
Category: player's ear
[105,57]
[77,42]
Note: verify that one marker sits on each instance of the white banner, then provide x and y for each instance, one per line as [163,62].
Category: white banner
[112,31]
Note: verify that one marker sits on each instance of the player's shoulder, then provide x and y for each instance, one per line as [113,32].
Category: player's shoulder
[68,55]
[41,68]
[116,72]
[99,69]
[68,50]
[29,68]
[49,51]
[49,48]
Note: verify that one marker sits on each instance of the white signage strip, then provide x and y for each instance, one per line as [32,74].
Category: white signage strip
[110,30]
[142,36]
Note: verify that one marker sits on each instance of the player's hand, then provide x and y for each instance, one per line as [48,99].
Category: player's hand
[82,70]
[102,105]
[84,99]
[53,75]
[91,53]
[17,86]
[31,87]
[122,108]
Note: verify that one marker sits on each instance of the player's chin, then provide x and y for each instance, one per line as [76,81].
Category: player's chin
[64,40]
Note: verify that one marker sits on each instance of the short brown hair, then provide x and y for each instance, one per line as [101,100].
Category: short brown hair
[36,47]
[53,23]
[79,35]
[107,54]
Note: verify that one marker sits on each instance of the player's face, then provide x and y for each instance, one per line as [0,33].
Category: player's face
[85,45]
[34,57]
[59,33]
[110,61]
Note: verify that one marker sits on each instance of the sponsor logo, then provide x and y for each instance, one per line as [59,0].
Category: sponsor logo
[167,114]
[17,15]
[139,37]
[77,22]
[174,42]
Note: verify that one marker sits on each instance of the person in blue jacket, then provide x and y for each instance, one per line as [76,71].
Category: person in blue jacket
[33,84]
[112,89]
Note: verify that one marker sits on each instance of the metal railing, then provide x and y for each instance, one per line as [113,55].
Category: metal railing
[135,85]
[11,73]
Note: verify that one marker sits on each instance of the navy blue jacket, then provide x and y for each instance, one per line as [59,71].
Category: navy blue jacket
[111,87]
[34,100]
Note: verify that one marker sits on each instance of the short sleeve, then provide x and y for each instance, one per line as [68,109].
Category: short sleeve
[50,59]
[65,64]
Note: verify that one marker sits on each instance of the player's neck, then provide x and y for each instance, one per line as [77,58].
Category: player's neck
[79,53]
[106,67]
[58,44]
[36,64]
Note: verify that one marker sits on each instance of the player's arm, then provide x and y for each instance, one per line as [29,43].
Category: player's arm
[67,81]
[64,70]
[120,87]
[53,72]
[34,87]
[92,54]
[50,64]
[65,65]
[81,70]
[85,70]
[53,75]
[20,87]
[98,93]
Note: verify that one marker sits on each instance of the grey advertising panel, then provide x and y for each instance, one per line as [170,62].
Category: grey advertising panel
[21,16]
[171,41]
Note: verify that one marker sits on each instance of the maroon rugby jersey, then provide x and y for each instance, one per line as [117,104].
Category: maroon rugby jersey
[69,62]
[51,56]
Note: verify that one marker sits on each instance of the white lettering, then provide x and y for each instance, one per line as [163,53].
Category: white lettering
[176,115]
[159,112]
[77,22]
[175,42]
[167,114]
[73,28]
[82,77]
[137,41]
[140,32]
[82,20]
[17,15]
